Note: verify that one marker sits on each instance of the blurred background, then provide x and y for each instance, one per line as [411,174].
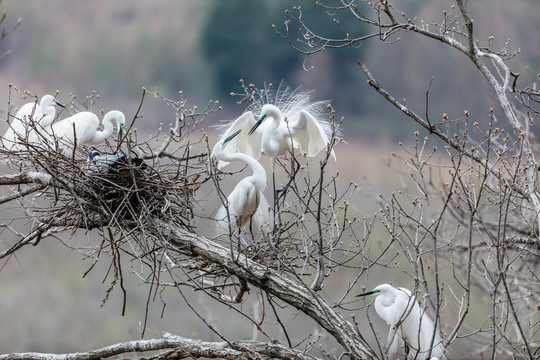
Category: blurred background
[203,48]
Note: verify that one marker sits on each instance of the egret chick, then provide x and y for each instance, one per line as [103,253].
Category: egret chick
[399,309]
[102,163]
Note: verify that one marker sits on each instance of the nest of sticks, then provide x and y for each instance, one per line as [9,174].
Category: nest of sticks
[128,193]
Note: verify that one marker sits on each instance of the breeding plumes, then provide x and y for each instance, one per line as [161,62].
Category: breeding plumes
[82,129]
[278,136]
[29,119]
[305,129]
[407,321]
[246,202]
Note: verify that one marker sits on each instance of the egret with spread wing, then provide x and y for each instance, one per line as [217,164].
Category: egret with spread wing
[305,128]
[279,136]
[399,309]
[246,203]
[28,118]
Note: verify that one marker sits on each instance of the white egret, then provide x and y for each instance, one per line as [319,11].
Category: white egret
[278,136]
[246,202]
[306,127]
[82,129]
[407,321]
[29,117]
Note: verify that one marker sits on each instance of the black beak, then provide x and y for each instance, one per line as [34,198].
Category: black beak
[257,124]
[57,103]
[120,133]
[229,138]
[367,293]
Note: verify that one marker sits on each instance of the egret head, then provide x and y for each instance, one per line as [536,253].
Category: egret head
[49,100]
[92,155]
[267,110]
[381,289]
[118,118]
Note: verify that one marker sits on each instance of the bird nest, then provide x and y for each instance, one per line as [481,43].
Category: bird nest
[126,193]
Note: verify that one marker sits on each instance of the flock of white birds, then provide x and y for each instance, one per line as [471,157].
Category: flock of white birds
[293,123]
[34,125]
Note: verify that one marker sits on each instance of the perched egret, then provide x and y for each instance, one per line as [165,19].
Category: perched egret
[28,118]
[278,137]
[82,129]
[246,202]
[306,127]
[407,320]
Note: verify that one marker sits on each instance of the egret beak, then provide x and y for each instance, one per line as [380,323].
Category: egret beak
[257,124]
[57,103]
[229,138]
[120,133]
[369,293]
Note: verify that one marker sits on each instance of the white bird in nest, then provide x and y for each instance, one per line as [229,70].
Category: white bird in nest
[400,310]
[246,203]
[82,129]
[305,128]
[29,118]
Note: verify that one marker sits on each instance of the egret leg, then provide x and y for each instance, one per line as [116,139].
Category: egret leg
[252,235]
[276,209]
[20,171]
[407,350]
[295,169]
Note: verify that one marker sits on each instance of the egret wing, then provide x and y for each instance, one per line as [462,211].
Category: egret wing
[244,143]
[309,135]
[392,343]
[261,216]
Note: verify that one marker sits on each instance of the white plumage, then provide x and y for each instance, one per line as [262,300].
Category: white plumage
[29,118]
[246,202]
[306,127]
[407,321]
[82,129]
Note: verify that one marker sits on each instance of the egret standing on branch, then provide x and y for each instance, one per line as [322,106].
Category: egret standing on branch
[305,127]
[246,203]
[402,313]
[82,129]
[29,117]
[279,136]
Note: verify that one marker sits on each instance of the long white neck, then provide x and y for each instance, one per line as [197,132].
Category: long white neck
[48,115]
[109,120]
[45,112]
[270,144]
[259,174]
[273,112]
